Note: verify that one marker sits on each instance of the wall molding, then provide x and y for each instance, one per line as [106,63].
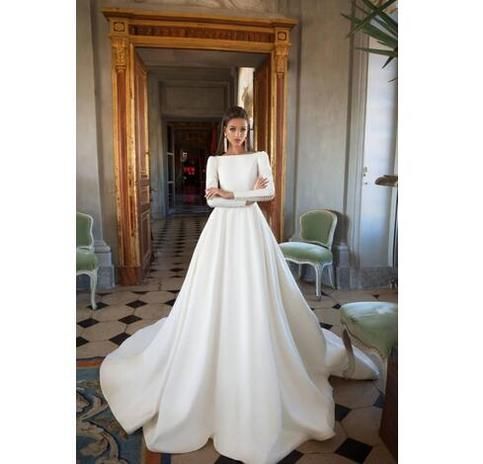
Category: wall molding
[355,145]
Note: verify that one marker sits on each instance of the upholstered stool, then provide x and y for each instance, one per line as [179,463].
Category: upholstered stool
[372,323]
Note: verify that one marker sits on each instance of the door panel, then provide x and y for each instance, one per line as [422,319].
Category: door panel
[261,106]
[377,212]
[142,157]
[261,118]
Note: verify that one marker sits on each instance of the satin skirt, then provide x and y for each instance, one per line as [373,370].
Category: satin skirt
[241,358]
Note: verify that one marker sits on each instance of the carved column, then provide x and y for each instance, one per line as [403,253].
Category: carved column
[279,60]
[124,160]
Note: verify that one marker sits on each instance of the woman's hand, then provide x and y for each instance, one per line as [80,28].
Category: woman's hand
[261,183]
[218,192]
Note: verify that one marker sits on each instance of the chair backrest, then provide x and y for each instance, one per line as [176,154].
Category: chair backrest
[84,236]
[318,226]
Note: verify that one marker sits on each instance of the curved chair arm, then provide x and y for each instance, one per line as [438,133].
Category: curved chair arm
[86,247]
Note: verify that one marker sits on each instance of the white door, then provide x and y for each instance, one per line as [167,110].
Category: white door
[377,202]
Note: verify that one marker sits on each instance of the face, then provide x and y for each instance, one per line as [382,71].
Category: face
[236,131]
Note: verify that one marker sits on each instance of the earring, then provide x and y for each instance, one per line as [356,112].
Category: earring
[225,144]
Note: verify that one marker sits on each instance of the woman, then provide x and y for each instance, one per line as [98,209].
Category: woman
[241,358]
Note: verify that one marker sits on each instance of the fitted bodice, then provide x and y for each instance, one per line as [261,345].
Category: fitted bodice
[237,172]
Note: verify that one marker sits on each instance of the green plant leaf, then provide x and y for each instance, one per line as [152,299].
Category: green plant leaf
[381,11]
[352,19]
[388,26]
[388,61]
[378,25]
[373,32]
[376,11]
[379,51]
[378,34]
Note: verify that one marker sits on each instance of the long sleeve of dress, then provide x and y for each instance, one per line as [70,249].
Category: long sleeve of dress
[212,181]
[265,194]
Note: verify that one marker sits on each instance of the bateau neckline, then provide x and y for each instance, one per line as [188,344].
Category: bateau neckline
[243,154]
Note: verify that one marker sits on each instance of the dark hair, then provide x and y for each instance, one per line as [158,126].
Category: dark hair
[234,112]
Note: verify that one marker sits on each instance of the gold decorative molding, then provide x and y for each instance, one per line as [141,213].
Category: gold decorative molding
[200,33]
[281,59]
[148,16]
[120,50]
[282,45]
[186,30]
[131,28]
[118,26]
[282,36]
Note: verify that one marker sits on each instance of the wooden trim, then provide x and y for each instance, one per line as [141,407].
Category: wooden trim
[130,28]
[279,133]
[202,44]
[196,32]
[129,275]
[201,18]
[120,101]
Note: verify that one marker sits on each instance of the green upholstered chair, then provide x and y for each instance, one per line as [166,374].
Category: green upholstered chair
[86,259]
[373,324]
[314,246]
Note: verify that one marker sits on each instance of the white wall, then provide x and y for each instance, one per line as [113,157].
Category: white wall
[323,106]
[89,179]
[156,149]
[321,160]
[87,170]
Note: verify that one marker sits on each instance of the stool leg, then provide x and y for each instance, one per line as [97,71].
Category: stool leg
[350,354]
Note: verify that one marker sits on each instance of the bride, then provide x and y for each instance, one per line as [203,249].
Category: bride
[241,358]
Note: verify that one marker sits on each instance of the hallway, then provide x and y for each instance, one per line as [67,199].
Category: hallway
[189,203]
[124,310]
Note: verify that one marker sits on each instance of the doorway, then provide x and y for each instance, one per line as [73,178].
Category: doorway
[190,91]
[133,29]
[189,144]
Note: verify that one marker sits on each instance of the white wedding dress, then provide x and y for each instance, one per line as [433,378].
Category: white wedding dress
[241,358]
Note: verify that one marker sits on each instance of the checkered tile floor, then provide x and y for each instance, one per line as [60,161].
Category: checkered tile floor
[124,310]
[191,202]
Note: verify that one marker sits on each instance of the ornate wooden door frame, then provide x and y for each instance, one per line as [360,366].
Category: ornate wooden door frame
[130,28]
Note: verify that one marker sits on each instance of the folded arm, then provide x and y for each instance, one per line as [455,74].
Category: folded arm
[264,194]
[212,181]
[225,202]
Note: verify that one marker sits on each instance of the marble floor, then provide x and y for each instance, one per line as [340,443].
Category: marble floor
[123,310]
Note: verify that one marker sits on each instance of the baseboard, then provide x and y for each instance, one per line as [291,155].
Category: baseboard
[372,277]
[105,272]
[348,278]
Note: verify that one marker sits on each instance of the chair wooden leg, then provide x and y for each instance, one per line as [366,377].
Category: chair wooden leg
[385,363]
[318,278]
[330,271]
[350,354]
[93,278]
